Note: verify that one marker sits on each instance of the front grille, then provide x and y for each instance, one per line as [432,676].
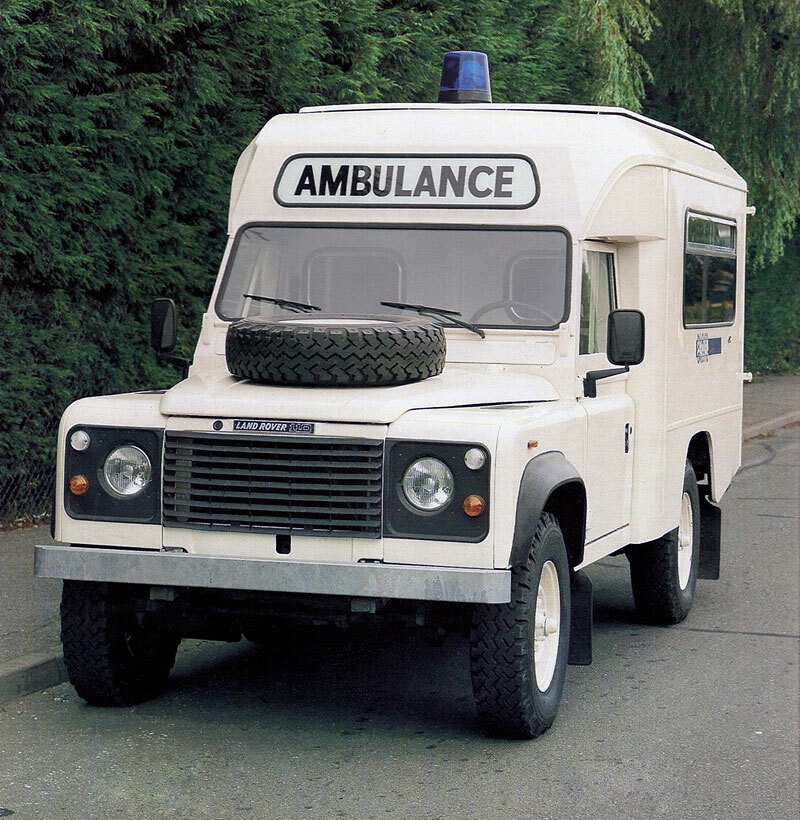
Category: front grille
[324,486]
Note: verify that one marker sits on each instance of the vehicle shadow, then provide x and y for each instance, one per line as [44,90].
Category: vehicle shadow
[348,680]
[366,676]
[612,596]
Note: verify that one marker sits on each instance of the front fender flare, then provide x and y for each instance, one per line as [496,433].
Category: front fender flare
[550,482]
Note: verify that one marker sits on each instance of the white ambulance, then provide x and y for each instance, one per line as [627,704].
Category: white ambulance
[456,353]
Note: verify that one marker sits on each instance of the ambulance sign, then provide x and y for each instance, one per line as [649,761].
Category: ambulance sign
[396,181]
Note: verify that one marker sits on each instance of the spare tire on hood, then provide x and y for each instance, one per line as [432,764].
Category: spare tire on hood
[332,350]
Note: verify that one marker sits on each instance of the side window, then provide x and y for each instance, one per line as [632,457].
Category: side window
[598,299]
[709,271]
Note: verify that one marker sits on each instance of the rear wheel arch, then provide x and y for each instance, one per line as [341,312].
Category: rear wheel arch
[698,454]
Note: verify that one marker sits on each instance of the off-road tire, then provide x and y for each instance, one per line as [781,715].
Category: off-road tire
[335,351]
[508,699]
[655,578]
[111,659]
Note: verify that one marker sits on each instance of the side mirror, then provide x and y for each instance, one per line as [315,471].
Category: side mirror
[625,337]
[163,327]
[164,334]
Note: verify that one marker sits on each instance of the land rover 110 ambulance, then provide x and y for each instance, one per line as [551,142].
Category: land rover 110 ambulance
[456,353]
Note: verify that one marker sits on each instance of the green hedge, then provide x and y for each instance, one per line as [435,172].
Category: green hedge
[120,124]
[772,314]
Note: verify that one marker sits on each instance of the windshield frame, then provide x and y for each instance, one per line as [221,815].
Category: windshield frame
[425,226]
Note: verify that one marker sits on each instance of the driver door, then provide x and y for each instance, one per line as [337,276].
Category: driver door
[610,415]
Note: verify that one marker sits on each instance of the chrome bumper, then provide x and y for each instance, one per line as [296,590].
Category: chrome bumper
[420,583]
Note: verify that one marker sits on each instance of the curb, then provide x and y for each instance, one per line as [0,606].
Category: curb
[30,674]
[33,673]
[763,428]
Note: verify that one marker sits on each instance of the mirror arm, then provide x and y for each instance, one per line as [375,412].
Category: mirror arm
[593,376]
[179,361]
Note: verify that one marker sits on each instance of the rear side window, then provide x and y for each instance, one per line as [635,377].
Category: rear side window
[709,271]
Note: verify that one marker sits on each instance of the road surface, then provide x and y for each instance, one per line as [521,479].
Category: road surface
[694,721]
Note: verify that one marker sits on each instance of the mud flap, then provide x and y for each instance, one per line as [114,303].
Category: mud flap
[580,635]
[710,539]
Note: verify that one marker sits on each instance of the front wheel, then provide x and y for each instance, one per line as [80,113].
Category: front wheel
[519,650]
[664,571]
[113,656]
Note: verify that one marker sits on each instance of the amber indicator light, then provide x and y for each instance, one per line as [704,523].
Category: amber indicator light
[474,505]
[78,484]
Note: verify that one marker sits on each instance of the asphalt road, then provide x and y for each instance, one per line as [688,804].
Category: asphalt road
[694,721]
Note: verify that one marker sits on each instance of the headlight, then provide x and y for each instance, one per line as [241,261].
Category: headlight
[428,484]
[127,470]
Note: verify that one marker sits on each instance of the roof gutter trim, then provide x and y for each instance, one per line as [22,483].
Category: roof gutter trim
[556,109]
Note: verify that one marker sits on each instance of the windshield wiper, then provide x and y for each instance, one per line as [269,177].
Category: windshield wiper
[295,307]
[437,313]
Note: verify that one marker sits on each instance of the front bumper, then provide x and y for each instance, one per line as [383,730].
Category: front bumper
[364,580]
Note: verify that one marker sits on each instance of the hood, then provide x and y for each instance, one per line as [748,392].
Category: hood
[224,396]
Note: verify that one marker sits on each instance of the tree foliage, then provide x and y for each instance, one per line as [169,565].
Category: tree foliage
[729,71]
[612,29]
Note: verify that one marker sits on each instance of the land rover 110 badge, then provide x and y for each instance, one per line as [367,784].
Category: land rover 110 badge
[269,426]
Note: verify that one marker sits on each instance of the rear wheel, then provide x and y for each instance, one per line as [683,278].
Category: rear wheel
[519,650]
[664,571]
[113,656]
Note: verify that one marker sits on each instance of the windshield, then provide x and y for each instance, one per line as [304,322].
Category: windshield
[494,278]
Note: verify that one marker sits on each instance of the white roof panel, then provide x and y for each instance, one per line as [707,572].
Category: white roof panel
[577,151]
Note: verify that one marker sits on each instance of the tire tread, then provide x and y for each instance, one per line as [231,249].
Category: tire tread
[98,670]
[499,654]
[271,352]
[654,571]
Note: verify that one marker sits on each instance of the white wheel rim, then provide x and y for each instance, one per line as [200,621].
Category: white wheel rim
[547,626]
[685,541]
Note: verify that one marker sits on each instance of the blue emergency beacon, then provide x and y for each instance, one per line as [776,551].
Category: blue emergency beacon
[465,78]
